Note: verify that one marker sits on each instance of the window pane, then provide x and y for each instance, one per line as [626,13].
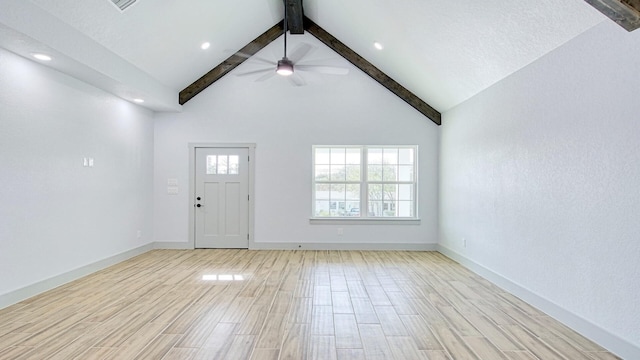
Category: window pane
[353,209]
[405,192]
[406,156]
[405,208]
[338,192]
[389,173]
[212,164]
[322,156]
[353,156]
[374,156]
[233,164]
[322,208]
[390,192]
[222,164]
[375,208]
[390,156]
[375,192]
[405,173]
[389,209]
[374,173]
[338,173]
[353,192]
[338,156]
[322,172]
[322,191]
[353,172]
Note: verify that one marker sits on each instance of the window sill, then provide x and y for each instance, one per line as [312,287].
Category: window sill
[351,221]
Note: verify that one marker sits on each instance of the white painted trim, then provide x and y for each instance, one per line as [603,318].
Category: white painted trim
[39,287]
[172,245]
[341,246]
[349,221]
[191,244]
[604,338]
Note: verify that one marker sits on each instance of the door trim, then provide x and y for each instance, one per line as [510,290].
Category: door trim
[192,186]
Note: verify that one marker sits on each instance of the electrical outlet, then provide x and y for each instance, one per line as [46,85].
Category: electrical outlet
[340,232]
[139,234]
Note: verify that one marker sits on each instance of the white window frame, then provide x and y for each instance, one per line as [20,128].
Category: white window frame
[364,182]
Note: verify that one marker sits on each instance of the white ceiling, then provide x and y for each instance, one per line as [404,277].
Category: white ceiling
[443,51]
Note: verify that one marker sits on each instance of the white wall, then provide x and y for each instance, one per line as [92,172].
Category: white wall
[56,215]
[541,173]
[284,121]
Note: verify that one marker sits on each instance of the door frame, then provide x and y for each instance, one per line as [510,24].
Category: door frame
[192,186]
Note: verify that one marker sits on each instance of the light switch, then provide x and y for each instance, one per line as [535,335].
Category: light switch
[172,190]
[90,162]
[85,162]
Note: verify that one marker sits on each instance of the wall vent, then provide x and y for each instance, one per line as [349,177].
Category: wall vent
[123,4]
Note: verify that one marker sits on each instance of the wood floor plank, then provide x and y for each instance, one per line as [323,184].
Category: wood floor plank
[531,342]
[482,347]
[295,342]
[241,347]
[364,311]
[346,332]
[403,347]
[350,354]
[265,354]
[390,321]
[453,343]
[322,321]
[341,302]
[421,333]
[322,347]
[374,342]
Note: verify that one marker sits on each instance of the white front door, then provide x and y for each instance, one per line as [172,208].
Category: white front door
[221,198]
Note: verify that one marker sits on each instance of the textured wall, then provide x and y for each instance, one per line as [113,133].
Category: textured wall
[285,121]
[55,214]
[540,174]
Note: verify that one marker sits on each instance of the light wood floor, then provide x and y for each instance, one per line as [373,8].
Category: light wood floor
[285,305]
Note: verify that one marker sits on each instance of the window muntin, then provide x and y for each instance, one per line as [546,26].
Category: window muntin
[380,179]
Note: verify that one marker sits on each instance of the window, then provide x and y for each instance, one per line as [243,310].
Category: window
[222,164]
[364,182]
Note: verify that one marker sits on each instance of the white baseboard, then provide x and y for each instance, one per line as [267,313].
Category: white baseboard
[310,246]
[341,246]
[604,338]
[175,245]
[28,291]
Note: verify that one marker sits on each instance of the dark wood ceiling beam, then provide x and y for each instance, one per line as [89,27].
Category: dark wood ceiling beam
[624,12]
[369,69]
[231,63]
[295,16]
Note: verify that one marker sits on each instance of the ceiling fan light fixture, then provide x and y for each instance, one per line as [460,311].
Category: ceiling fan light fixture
[285,67]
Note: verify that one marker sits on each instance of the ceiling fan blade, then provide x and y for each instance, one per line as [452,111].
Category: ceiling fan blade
[297,80]
[266,76]
[300,52]
[254,57]
[255,72]
[323,69]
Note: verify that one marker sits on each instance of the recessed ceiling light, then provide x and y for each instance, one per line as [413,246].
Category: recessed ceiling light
[42,57]
[378,45]
[205,45]
[139,101]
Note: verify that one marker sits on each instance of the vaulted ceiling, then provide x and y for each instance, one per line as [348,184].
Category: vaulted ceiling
[442,51]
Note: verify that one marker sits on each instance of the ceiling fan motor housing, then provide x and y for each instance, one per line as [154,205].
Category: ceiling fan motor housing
[285,67]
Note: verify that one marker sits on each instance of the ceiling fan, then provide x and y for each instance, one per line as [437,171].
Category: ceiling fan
[287,66]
